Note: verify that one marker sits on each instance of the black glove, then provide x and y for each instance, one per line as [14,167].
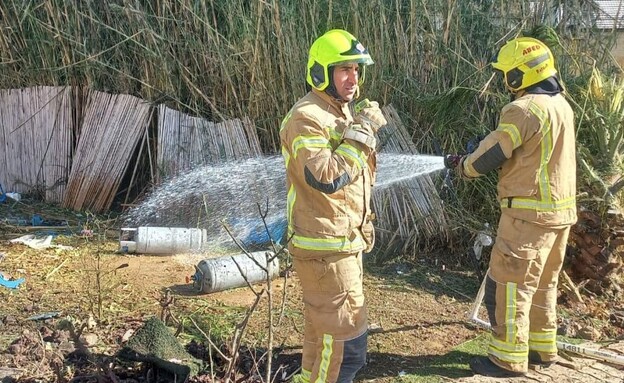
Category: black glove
[451,161]
[473,143]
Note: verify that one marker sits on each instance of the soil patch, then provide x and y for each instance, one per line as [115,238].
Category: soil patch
[90,300]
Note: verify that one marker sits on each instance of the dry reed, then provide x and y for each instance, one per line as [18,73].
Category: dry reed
[35,140]
[110,131]
[409,214]
[185,142]
[220,60]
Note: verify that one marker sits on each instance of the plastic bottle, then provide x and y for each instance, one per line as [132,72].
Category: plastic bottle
[483,240]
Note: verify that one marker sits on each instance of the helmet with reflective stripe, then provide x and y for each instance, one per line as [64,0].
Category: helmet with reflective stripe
[524,61]
[333,48]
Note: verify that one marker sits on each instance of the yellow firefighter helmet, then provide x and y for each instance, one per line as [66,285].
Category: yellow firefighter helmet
[524,61]
[334,47]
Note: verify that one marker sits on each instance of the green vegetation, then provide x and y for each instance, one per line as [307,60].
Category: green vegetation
[452,365]
[222,59]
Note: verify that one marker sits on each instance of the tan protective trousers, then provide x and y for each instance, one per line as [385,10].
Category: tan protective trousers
[334,347]
[521,291]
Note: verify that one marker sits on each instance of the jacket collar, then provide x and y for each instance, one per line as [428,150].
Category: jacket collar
[339,105]
[550,86]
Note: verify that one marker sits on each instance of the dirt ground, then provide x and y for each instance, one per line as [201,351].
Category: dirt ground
[417,315]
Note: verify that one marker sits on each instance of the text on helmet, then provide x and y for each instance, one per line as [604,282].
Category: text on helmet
[530,49]
[541,69]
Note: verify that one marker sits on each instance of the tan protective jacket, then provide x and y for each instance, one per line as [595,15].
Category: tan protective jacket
[535,147]
[329,180]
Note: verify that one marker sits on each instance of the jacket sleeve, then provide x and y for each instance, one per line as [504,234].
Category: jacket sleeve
[497,147]
[311,152]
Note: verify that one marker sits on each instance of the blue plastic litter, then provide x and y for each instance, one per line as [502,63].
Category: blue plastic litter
[259,236]
[36,220]
[11,284]
[3,196]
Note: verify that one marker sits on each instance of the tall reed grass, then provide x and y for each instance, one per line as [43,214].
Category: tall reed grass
[225,59]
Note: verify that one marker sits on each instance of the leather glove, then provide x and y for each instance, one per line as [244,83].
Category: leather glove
[367,113]
[361,134]
[451,161]
[473,143]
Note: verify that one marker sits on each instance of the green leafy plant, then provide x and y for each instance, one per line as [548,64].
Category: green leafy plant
[601,134]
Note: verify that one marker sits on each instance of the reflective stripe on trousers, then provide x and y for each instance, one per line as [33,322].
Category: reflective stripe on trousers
[521,291]
[335,334]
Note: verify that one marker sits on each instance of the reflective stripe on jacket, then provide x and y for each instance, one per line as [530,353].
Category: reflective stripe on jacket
[534,147]
[329,181]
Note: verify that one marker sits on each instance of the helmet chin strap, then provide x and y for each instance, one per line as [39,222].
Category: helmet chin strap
[331,90]
[516,93]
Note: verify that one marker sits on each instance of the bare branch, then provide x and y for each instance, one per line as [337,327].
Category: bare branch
[238,335]
[263,215]
[242,273]
[210,341]
[242,248]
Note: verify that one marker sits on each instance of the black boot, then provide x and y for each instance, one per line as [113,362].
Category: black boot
[482,365]
[536,360]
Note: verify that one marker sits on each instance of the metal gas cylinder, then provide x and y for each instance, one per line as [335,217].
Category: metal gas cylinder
[161,240]
[218,274]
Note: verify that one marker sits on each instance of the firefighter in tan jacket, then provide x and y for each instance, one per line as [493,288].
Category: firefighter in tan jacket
[534,147]
[328,144]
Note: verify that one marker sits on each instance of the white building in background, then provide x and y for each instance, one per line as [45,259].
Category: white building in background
[602,15]
[610,16]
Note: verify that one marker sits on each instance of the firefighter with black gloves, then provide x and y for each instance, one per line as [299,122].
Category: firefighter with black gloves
[452,160]
[534,148]
[329,147]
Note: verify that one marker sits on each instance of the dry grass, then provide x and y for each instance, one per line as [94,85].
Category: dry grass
[239,58]
[229,59]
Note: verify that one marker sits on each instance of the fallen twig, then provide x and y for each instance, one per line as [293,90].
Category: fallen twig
[210,341]
[57,268]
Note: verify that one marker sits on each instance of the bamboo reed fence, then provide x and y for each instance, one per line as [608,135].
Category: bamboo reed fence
[225,59]
[410,213]
[247,58]
[111,129]
[185,141]
[35,140]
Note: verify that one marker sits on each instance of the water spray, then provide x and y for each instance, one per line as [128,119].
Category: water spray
[228,194]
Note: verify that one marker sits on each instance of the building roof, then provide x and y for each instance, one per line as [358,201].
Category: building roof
[610,14]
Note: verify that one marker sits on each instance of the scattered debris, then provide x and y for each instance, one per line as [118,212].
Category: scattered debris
[31,240]
[43,316]
[570,288]
[154,343]
[589,333]
[9,374]
[11,284]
